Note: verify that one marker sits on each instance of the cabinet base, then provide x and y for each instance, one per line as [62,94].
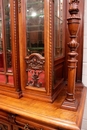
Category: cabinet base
[70,105]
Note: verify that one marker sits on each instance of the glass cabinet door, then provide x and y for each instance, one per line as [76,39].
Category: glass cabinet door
[59,41]
[35,26]
[35,42]
[6,70]
[40,37]
[59,22]
[1,45]
[9,62]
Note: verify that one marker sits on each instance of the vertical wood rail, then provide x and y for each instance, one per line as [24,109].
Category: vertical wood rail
[73,25]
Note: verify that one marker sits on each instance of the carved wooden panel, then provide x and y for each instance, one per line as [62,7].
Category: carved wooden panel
[35,68]
[3,127]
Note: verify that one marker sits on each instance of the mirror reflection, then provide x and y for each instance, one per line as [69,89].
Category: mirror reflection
[1,45]
[8,35]
[5,44]
[35,26]
[35,39]
[58,28]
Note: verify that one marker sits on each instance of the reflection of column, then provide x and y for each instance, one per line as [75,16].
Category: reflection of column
[73,24]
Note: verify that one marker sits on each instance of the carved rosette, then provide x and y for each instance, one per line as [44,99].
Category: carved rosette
[73,25]
[35,68]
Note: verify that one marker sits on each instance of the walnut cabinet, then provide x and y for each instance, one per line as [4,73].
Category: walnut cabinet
[42,47]
[33,66]
[9,49]
[32,48]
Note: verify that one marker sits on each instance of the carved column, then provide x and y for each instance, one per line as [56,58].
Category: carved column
[73,25]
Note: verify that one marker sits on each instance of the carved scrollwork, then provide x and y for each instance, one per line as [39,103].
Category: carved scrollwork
[35,66]
[3,127]
[35,61]
[12,118]
[26,127]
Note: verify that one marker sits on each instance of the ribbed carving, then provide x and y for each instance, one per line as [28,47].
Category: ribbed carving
[50,42]
[16,42]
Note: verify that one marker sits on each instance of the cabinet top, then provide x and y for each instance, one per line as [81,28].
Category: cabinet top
[47,113]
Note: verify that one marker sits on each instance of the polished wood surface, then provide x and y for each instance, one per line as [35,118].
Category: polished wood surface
[79,40]
[10,24]
[45,114]
[53,67]
[73,27]
[25,105]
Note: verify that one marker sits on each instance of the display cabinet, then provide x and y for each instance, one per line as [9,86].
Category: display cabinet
[35,93]
[9,46]
[42,47]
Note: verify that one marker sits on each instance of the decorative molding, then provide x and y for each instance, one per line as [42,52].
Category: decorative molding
[19,6]
[16,43]
[12,118]
[27,127]
[50,43]
[3,127]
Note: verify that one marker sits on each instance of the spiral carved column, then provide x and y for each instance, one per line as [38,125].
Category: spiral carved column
[73,25]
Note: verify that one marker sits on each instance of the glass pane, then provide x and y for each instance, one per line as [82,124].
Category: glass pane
[58,28]
[1,44]
[8,35]
[35,26]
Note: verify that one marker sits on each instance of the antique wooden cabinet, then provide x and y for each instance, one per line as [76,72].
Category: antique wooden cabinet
[42,47]
[33,65]
[9,49]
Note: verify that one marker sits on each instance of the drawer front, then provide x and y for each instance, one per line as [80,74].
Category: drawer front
[5,125]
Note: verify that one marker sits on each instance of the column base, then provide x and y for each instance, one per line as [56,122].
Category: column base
[70,105]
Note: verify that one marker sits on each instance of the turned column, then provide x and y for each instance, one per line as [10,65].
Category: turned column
[73,25]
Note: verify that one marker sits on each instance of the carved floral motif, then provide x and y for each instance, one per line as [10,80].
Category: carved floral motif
[35,67]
